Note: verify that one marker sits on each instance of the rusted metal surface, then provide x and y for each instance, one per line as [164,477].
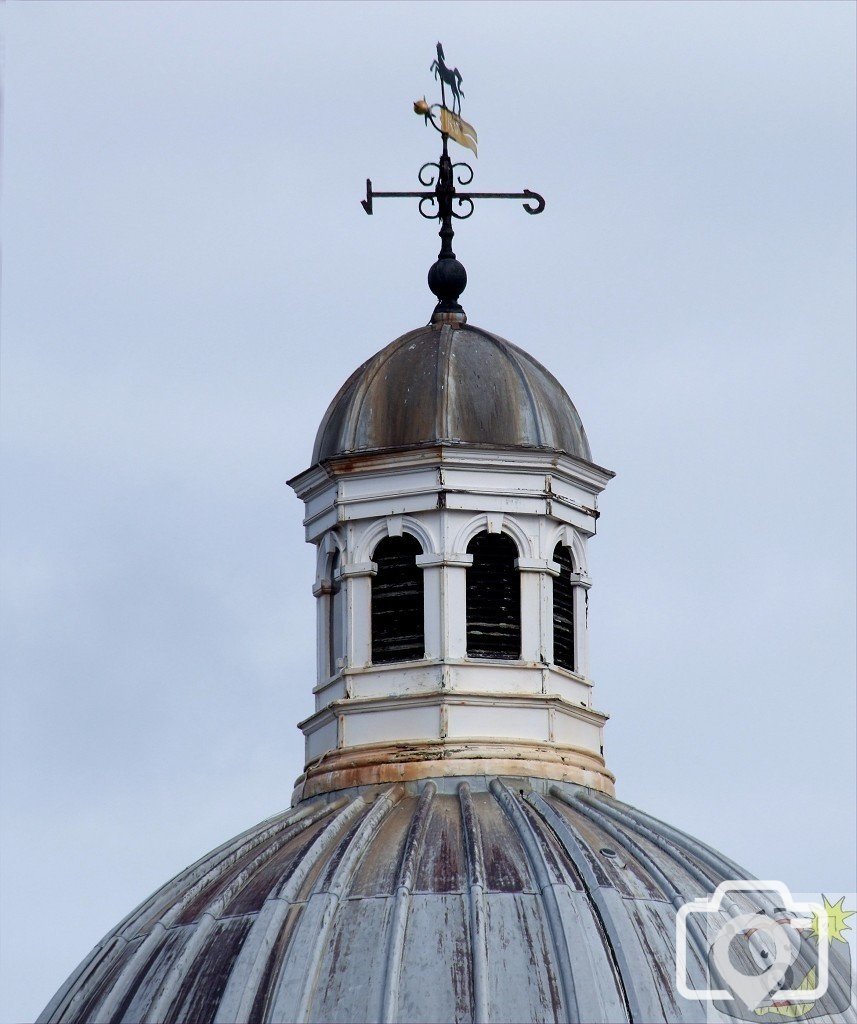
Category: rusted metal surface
[462,900]
[403,761]
[456,385]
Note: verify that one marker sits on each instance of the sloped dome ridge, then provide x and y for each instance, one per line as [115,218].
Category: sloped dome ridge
[450,384]
[487,899]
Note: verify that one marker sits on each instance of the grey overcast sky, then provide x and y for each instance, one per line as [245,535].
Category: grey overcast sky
[188,278]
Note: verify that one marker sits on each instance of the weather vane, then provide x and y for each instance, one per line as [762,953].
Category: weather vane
[447,278]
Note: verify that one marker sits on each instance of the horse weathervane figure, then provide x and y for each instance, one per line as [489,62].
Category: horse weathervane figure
[447,278]
[452,78]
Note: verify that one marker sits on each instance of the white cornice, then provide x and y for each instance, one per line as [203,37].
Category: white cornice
[466,456]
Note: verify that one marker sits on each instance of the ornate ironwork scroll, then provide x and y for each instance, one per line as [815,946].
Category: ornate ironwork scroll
[442,200]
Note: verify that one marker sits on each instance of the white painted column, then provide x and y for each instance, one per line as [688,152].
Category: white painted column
[357,579]
[546,579]
[322,594]
[445,604]
[581,583]
[432,568]
[536,608]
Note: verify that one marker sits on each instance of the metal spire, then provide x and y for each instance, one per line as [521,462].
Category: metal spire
[447,277]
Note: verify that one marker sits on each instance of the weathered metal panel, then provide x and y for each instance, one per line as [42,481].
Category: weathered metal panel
[352,967]
[376,874]
[136,1004]
[271,875]
[442,867]
[92,987]
[203,987]
[435,982]
[278,957]
[597,989]
[504,859]
[338,852]
[655,957]
[557,862]
[297,977]
[182,887]
[522,970]
[660,921]
[218,886]
[677,867]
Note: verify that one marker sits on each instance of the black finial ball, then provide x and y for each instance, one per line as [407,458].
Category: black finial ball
[447,279]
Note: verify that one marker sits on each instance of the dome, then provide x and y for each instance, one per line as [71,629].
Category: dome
[488,899]
[450,384]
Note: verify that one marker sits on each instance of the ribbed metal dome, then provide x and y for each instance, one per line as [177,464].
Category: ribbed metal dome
[486,900]
[454,384]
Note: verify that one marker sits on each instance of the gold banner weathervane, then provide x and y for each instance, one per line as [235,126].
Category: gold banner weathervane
[458,129]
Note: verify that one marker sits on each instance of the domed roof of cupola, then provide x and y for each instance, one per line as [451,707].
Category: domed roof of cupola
[450,384]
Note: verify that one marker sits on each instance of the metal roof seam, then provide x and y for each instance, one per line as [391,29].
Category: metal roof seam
[583,803]
[136,965]
[536,856]
[184,962]
[443,388]
[722,865]
[364,386]
[602,912]
[476,901]
[407,868]
[342,875]
[516,364]
[250,966]
[211,867]
[70,995]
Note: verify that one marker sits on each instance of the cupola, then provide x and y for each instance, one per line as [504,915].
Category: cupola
[451,498]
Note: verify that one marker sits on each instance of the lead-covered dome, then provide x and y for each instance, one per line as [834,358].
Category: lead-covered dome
[479,900]
[450,384]
[487,900]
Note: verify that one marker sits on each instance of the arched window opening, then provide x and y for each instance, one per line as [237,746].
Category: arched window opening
[398,629]
[335,615]
[493,598]
[563,610]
